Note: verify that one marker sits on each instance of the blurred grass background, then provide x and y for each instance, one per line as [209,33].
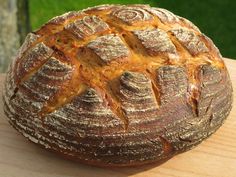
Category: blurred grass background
[215,18]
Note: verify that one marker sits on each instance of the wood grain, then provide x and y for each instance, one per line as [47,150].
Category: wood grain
[215,157]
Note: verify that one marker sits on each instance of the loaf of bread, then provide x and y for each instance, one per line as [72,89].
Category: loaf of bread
[117,85]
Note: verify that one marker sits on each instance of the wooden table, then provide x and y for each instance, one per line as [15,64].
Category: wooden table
[215,157]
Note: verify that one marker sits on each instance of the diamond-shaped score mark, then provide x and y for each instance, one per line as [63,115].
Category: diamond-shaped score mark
[190,41]
[87,26]
[109,47]
[155,41]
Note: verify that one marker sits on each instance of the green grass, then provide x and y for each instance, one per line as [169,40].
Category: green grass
[215,18]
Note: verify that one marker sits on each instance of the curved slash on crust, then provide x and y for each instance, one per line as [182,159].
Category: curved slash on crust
[85,114]
[137,98]
[132,15]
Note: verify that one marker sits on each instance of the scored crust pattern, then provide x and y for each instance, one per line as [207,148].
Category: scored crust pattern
[155,41]
[190,40]
[87,26]
[173,82]
[100,85]
[132,15]
[136,96]
[109,47]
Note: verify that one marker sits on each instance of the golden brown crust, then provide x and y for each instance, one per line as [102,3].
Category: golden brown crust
[117,85]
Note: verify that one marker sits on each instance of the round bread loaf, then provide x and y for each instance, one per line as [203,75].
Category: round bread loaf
[117,85]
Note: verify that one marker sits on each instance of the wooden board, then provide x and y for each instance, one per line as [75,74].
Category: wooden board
[215,157]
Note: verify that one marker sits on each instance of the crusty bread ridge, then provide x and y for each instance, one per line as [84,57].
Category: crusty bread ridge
[117,85]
